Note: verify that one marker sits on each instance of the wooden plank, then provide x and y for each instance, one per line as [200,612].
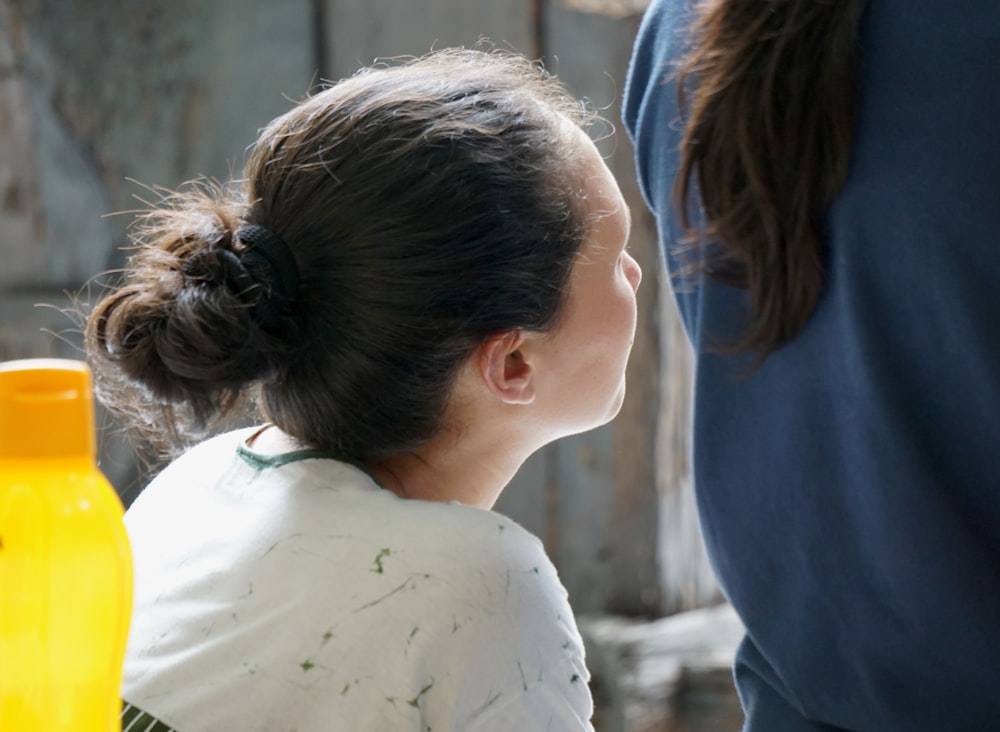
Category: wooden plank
[359,31]
[590,53]
[153,94]
[658,557]
[254,59]
[21,224]
[612,8]
[526,499]
[686,575]
[32,325]
[582,538]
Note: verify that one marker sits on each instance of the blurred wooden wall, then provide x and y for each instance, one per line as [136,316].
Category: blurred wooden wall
[98,94]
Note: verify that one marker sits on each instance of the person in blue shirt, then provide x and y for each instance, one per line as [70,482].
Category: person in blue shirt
[825,177]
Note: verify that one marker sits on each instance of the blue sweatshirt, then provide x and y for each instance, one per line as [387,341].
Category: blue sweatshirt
[849,490]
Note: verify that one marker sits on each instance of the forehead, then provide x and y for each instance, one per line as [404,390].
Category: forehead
[597,189]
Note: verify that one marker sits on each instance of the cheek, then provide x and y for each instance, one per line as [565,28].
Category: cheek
[627,313]
[617,326]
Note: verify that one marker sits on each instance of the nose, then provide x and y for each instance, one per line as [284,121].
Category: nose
[633,271]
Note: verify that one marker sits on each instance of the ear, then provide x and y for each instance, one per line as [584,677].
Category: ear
[505,370]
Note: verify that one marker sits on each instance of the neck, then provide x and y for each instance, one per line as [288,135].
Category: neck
[473,470]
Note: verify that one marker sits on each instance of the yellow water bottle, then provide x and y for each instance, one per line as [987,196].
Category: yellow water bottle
[65,564]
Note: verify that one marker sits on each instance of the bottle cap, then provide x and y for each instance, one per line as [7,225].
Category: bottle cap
[46,409]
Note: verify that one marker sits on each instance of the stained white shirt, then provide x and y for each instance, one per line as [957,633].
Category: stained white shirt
[302,597]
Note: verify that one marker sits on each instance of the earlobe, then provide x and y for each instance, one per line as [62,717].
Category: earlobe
[505,370]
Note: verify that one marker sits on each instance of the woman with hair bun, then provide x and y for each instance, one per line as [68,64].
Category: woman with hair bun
[421,280]
[826,180]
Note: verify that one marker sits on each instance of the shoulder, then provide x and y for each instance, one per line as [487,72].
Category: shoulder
[469,540]
[508,618]
[484,566]
[492,546]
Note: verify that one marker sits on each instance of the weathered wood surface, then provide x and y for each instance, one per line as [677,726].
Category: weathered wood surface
[358,33]
[669,675]
[97,94]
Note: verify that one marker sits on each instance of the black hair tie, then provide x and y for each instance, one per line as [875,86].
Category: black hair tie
[271,264]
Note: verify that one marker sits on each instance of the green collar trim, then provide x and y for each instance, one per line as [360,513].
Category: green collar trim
[259,461]
[256,460]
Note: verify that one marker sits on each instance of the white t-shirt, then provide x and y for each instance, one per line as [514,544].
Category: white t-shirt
[293,594]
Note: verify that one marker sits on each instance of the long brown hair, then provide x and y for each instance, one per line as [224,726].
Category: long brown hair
[768,92]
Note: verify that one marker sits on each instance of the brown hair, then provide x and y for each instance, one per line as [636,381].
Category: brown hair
[769,95]
[426,207]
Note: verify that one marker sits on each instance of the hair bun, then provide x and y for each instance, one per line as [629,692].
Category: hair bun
[269,263]
[196,321]
[219,267]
